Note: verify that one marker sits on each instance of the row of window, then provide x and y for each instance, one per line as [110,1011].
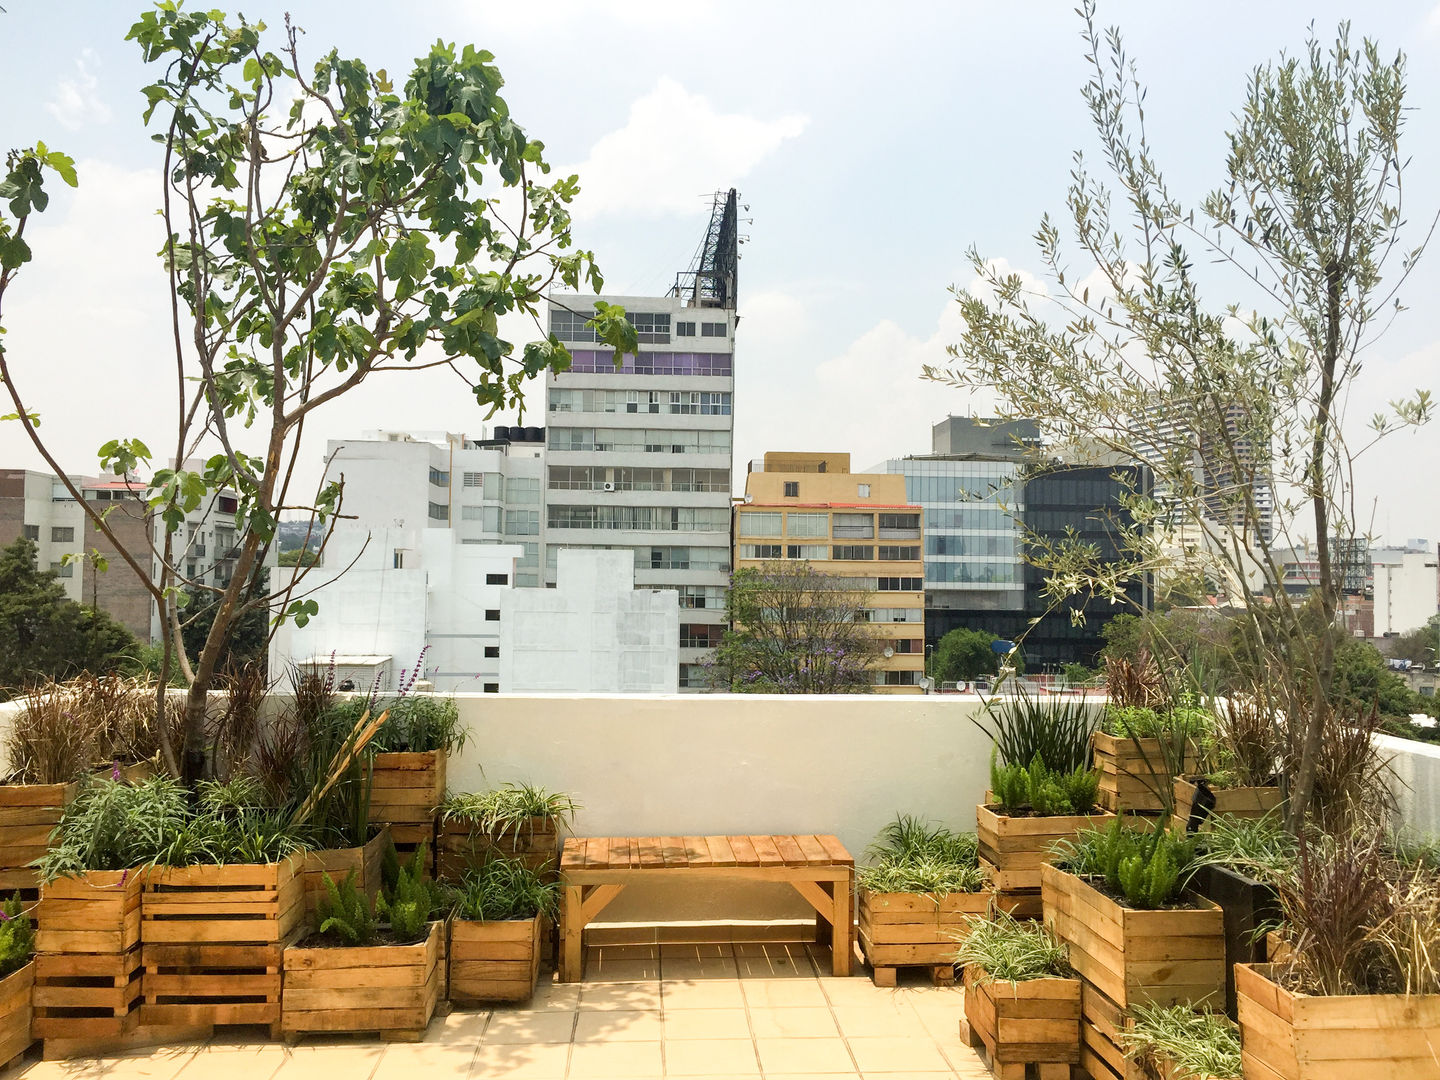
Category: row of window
[439,477]
[707,329]
[686,402]
[601,478]
[651,518]
[59,534]
[700,635]
[1006,544]
[844,552]
[959,489]
[846,525]
[495,487]
[983,573]
[602,362]
[898,678]
[651,328]
[639,440]
[969,517]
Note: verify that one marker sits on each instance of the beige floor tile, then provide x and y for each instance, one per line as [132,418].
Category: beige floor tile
[234,1063]
[797,1023]
[156,1065]
[788,1056]
[963,1059]
[558,996]
[619,1060]
[855,991]
[897,1054]
[879,1018]
[775,965]
[706,1024]
[328,1056]
[711,1057]
[707,950]
[536,1061]
[946,1075]
[536,1027]
[458,1025]
[617,1025]
[622,970]
[793,949]
[701,994]
[605,953]
[699,967]
[631,995]
[434,1061]
[784,993]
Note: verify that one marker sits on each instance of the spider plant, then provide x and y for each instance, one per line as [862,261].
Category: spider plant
[510,808]
[1013,951]
[1193,1043]
[911,855]
[504,889]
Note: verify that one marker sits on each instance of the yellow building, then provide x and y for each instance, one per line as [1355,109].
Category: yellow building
[812,508]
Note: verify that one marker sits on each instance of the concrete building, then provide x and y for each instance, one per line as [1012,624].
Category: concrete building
[859,526]
[1406,586]
[593,632]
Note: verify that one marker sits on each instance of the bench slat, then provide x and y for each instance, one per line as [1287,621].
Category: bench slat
[597,852]
[697,852]
[811,848]
[652,855]
[766,850]
[836,851]
[674,850]
[572,856]
[790,851]
[720,853]
[744,851]
[617,852]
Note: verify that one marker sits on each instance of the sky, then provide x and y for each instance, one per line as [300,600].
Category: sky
[871,146]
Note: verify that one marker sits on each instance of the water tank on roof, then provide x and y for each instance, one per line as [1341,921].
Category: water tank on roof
[534,434]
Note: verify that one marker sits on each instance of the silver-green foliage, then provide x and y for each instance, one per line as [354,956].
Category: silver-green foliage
[506,889]
[1196,1043]
[1011,950]
[911,855]
[508,809]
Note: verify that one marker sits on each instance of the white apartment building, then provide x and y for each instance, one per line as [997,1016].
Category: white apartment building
[1407,586]
[639,456]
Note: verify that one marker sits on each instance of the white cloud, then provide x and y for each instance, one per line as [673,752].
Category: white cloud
[530,18]
[1432,21]
[77,101]
[669,154]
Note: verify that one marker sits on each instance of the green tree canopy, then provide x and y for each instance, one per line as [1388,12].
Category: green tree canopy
[962,655]
[1420,646]
[46,635]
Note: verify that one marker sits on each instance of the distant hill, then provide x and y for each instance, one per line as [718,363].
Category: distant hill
[292,535]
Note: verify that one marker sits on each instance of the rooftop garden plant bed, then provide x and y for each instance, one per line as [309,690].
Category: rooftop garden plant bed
[1175,1042]
[1238,775]
[915,893]
[513,821]
[1140,750]
[496,930]
[17,980]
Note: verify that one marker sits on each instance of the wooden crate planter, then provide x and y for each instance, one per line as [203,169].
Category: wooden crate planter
[16,1013]
[460,847]
[494,961]
[389,989]
[88,963]
[1032,1022]
[405,791]
[213,938]
[1101,1021]
[1290,1036]
[1238,802]
[916,930]
[1135,773]
[1012,850]
[28,815]
[363,861]
[1164,957]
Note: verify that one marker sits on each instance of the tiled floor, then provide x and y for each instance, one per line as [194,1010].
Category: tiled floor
[715,1011]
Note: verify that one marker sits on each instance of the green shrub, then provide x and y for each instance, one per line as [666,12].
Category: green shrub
[508,808]
[1194,1043]
[1184,721]
[416,723]
[345,913]
[506,889]
[1147,870]
[1056,728]
[1012,951]
[408,906]
[112,825]
[17,936]
[912,856]
[1045,792]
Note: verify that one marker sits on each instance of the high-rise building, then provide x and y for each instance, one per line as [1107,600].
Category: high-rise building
[639,454]
[858,526]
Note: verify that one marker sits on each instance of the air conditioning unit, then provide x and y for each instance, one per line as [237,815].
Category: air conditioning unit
[607,487]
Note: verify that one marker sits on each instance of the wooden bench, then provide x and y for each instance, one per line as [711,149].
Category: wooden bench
[593,871]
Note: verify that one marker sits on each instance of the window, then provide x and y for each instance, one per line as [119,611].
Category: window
[699,635]
[492,688]
[806,551]
[492,614]
[758,523]
[712,329]
[570,325]
[909,645]
[899,526]
[397,561]
[759,551]
[439,477]
[497,579]
[494,489]
[439,512]
[684,329]
[643,518]
[694,676]
[66,569]
[492,652]
[523,490]
[522,522]
[651,328]
[807,525]
[792,489]
[863,490]
[472,479]
[854,526]
[602,362]
[897,678]
[862,552]
[897,553]
[32,532]
[899,584]
[710,597]
[66,535]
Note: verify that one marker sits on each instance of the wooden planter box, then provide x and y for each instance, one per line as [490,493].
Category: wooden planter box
[28,815]
[364,862]
[494,961]
[1101,1021]
[405,791]
[1248,905]
[1290,1036]
[88,962]
[1238,802]
[1134,773]
[916,929]
[213,937]
[389,989]
[16,1013]
[459,847]
[1164,957]
[1012,850]
[1037,1021]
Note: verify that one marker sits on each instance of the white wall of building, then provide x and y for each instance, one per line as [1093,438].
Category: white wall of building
[1407,584]
[594,632]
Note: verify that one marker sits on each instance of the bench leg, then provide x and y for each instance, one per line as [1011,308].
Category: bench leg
[824,932]
[841,924]
[572,931]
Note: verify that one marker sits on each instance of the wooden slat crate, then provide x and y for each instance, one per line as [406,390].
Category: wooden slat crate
[406,789]
[1164,957]
[459,847]
[1101,1055]
[1237,802]
[28,815]
[1033,1022]
[1012,850]
[388,989]
[1135,773]
[16,1013]
[916,930]
[494,961]
[340,862]
[213,937]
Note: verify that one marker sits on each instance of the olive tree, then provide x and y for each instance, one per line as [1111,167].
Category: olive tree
[323,226]
[1238,407]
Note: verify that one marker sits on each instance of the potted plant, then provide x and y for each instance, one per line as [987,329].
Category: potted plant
[17,979]
[1139,750]
[1239,757]
[496,931]
[1175,1042]
[1359,992]
[921,883]
[1115,896]
[369,967]
[514,821]
[1022,1001]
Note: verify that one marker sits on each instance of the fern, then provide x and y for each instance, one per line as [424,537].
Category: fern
[389,865]
[17,936]
[409,904]
[1009,784]
[345,913]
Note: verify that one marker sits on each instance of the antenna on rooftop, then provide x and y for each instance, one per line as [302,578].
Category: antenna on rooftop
[711,279]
